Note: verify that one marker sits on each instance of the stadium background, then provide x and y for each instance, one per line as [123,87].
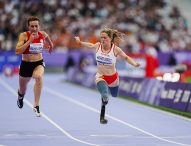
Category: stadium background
[158,36]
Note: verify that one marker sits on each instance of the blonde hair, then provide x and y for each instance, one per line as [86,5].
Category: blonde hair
[114,35]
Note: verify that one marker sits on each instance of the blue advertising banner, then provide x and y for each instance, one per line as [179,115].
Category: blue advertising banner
[145,90]
[174,95]
[130,87]
[151,90]
[9,59]
[158,89]
[187,97]
[167,95]
[182,96]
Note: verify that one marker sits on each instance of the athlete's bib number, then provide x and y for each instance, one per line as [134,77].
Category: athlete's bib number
[36,48]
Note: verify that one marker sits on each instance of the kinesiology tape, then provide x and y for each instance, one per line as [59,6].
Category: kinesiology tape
[103,89]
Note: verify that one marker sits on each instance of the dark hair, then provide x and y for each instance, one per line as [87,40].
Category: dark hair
[114,34]
[32,18]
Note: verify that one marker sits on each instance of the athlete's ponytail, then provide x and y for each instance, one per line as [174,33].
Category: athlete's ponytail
[114,34]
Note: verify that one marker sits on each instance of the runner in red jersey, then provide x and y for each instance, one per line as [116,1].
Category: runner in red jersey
[31,44]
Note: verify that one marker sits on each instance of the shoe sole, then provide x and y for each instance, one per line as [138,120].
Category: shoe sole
[37,114]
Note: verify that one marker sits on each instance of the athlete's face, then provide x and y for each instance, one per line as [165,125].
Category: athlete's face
[34,26]
[105,39]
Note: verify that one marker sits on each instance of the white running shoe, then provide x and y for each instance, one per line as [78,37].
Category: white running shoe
[37,111]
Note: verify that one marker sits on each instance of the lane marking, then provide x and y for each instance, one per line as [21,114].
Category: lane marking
[143,106]
[89,108]
[26,135]
[111,117]
[136,136]
[9,88]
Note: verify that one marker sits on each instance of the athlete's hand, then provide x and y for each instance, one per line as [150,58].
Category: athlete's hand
[77,39]
[48,47]
[33,36]
[137,64]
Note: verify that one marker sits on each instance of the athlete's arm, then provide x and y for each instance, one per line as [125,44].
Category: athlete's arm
[22,44]
[86,44]
[48,40]
[126,57]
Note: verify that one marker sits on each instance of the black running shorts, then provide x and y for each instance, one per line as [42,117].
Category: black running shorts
[27,68]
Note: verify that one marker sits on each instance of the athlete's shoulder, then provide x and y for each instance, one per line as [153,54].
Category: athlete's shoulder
[23,35]
[97,46]
[44,33]
[117,50]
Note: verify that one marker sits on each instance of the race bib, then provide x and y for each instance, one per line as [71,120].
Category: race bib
[36,48]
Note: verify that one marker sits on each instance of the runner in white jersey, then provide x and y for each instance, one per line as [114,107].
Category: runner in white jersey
[107,79]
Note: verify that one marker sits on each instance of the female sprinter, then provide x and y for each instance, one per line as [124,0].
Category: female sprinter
[30,44]
[107,79]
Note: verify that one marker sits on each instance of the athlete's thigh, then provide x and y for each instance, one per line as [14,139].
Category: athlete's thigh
[99,79]
[115,83]
[38,71]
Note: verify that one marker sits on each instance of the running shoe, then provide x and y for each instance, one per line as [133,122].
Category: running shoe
[37,111]
[20,100]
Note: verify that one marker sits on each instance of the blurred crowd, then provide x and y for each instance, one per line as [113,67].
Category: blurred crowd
[150,25]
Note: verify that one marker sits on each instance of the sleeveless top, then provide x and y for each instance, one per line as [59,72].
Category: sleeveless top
[37,44]
[105,58]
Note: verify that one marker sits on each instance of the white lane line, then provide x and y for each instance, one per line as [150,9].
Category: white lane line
[25,135]
[136,136]
[92,109]
[111,117]
[143,106]
[46,117]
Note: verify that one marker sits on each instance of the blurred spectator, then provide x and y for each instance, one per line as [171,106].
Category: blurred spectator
[145,20]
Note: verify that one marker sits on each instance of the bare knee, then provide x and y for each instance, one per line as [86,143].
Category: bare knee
[38,79]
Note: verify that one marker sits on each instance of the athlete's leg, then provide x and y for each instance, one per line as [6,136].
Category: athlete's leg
[104,91]
[114,91]
[37,75]
[23,81]
[113,87]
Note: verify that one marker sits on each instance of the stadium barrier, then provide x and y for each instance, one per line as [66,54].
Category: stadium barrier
[175,95]
[9,63]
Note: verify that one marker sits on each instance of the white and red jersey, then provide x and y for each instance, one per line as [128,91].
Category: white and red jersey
[105,58]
